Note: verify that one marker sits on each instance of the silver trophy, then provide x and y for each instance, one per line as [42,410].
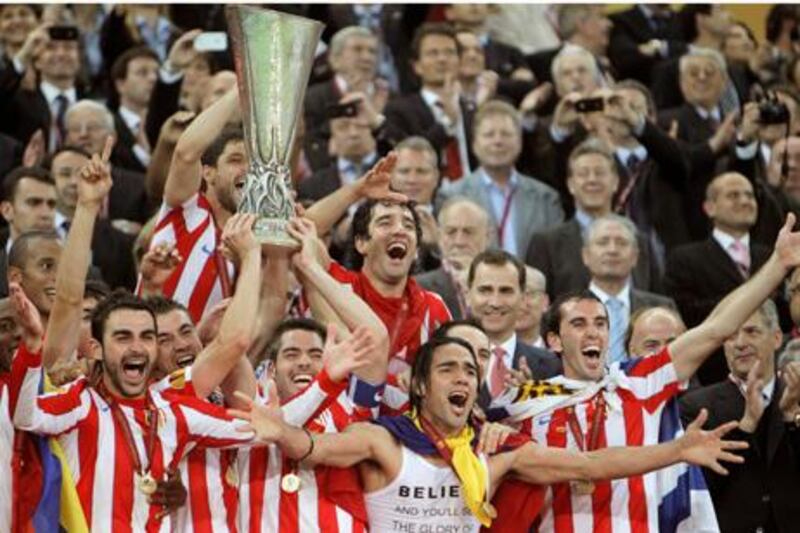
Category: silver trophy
[273,53]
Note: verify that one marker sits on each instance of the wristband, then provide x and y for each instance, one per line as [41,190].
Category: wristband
[310,446]
[365,394]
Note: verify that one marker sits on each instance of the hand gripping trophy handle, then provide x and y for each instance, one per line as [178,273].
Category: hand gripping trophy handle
[273,53]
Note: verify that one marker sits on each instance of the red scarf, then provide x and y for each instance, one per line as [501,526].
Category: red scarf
[403,317]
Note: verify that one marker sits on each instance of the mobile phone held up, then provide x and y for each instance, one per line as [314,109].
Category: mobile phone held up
[63,33]
[589,105]
[211,41]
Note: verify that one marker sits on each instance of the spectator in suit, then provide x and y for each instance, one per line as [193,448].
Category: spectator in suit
[592,181]
[575,70]
[28,203]
[769,159]
[642,37]
[700,274]
[790,354]
[416,174]
[610,253]
[43,107]
[519,205]
[16,22]
[651,329]
[496,282]
[134,74]
[584,25]
[534,304]
[759,494]
[355,151]
[437,112]
[464,232]
[353,56]
[88,123]
[793,297]
[112,250]
[504,59]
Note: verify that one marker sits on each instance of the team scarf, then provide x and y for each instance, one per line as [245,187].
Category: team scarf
[472,473]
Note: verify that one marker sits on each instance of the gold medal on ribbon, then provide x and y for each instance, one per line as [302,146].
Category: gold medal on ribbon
[489,510]
[290,483]
[584,487]
[232,476]
[147,484]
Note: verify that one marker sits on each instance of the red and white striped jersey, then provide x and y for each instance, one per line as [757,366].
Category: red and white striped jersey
[100,457]
[209,475]
[410,319]
[263,506]
[633,414]
[24,368]
[195,282]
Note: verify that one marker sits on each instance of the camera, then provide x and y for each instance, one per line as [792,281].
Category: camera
[342,110]
[589,105]
[773,111]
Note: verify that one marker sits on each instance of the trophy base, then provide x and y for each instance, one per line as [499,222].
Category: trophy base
[272,231]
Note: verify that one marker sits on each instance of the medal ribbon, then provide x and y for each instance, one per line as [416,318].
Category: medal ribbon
[471,472]
[594,428]
[501,228]
[149,432]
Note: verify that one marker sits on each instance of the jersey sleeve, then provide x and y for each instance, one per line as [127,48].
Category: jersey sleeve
[314,399]
[53,413]
[205,425]
[652,380]
[439,313]
[341,274]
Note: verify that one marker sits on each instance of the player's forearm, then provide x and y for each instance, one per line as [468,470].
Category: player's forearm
[621,462]
[353,312]
[272,304]
[327,211]
[64,324]
[694,347]
[239,319]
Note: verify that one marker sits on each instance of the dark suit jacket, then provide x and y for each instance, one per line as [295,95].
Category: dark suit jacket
[697,277]
[439,281]
[10,155]
[503,58]
[763,491]
[164,102]
[318,97]
[557,254]
[320,184]
[644,300]
[128,199]
[24,114]
[631,28]
[122,155]
[410,115]
[112,254]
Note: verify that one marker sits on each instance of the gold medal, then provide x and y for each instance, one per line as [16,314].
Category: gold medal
[584,487]
[290,483]
[147,484]
[489,510]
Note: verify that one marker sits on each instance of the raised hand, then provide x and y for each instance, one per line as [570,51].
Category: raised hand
[492,437]
[264,420]
[487,86]
[706,448]
[34,150]
[27,317]
[343,357]
[725,133]
[787,245]
[182,52]
[304,232]
[375,184]
[790,399]
[516,378]
[209,325]
[566,115]
[157,266]
[174,126]
[754,400]
[536,98]
[237,237]
[95,178]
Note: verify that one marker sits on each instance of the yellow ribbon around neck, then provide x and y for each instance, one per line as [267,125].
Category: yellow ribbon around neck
[470,470]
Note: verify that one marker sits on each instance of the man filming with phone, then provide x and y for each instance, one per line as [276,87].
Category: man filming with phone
[53,51]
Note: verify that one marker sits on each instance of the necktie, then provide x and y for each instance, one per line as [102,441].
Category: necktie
[453,170]
[634,167]
[741,256]
[499,370]
[61,110]
[617,325]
